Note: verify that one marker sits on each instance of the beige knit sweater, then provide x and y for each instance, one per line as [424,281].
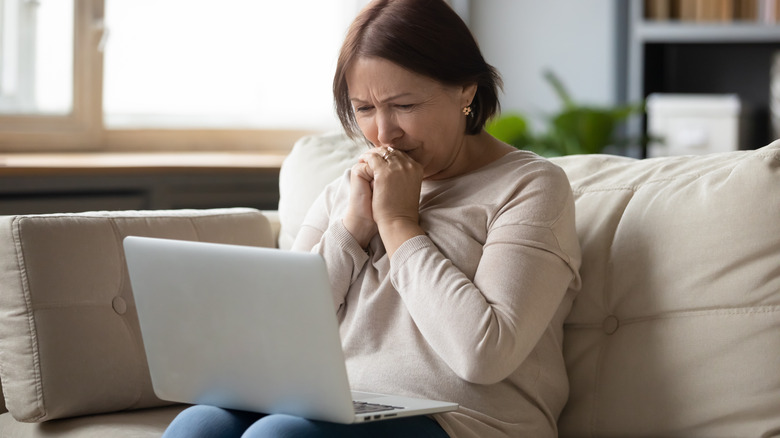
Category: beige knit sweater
[472,312]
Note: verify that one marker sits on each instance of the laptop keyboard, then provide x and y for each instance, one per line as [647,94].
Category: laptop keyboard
[365,408]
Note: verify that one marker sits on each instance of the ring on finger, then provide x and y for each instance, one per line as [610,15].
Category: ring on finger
[388,152]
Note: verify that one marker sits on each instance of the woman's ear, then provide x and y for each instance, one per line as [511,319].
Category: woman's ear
[468,92]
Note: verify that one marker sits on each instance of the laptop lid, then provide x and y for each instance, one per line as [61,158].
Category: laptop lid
[239,327]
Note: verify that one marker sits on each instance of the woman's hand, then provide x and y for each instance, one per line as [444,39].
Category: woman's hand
[359,220]
[395,201]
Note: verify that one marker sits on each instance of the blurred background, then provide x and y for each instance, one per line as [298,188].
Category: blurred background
[267,65]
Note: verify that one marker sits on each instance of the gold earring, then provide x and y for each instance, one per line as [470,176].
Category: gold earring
[467,110]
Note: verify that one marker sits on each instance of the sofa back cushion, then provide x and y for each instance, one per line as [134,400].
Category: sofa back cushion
[676,331]
[69,337]
[314,162]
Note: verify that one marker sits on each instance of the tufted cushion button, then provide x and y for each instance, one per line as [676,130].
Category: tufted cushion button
[610,324]
[119,304]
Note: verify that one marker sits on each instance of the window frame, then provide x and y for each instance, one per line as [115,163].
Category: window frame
[83,130]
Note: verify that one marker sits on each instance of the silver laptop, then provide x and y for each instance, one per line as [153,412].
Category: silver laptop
[248,328]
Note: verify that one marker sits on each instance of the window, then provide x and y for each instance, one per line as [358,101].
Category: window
[232,63]
[167,74]
[35,118]
[36,57]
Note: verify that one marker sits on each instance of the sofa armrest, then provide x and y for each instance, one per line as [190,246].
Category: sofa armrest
[276,225]
[70,343]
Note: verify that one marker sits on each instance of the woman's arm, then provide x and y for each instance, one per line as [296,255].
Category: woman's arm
[485,328]
[344,256]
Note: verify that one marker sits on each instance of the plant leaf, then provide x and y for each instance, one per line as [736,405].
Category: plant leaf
[510,128]
[559,88]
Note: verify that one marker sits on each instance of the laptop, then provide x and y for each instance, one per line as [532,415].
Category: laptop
[248,328]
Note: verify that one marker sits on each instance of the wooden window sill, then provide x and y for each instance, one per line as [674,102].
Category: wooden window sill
[19,164]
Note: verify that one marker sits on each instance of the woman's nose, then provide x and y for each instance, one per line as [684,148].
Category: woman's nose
[388,130]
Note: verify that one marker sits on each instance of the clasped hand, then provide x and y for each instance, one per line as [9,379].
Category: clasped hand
[384,198]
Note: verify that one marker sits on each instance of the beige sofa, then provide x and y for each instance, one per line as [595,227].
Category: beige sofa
[676,331]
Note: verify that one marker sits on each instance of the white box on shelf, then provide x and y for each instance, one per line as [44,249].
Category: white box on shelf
[693,124]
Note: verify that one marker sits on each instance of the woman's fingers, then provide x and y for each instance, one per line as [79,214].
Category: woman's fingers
[359,220]
[397,181]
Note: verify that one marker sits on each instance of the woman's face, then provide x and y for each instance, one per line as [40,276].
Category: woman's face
[410,112]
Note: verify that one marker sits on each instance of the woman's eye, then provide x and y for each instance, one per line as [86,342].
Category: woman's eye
[405,107]
[363,109]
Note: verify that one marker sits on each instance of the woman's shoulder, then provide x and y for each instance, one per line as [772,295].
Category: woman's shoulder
[534,185]
[507,174]
[523,165]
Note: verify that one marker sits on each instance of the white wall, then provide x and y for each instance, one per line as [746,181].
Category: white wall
[575,38]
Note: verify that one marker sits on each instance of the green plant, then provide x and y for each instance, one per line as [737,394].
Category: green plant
[576,129]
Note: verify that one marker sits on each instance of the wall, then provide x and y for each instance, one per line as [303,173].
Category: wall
[575,38]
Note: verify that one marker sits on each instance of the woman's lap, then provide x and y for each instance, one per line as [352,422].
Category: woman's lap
[209,421]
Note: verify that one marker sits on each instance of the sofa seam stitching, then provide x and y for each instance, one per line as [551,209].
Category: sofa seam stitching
[737,311]
[580,190]
[19,244]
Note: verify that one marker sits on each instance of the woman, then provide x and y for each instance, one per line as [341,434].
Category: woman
[453,257]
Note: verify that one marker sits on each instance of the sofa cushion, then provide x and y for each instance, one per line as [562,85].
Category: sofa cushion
[143,423]
[313,163]
[69,337]
[676,331]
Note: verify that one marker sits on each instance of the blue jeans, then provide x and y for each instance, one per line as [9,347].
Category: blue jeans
[209,421]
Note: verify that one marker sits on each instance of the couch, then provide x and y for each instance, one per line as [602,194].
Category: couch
[675,332]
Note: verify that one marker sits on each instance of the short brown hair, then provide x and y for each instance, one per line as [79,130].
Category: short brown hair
[423,36]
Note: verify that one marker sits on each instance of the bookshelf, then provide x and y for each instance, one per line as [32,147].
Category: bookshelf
[676,47]
[676,32]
